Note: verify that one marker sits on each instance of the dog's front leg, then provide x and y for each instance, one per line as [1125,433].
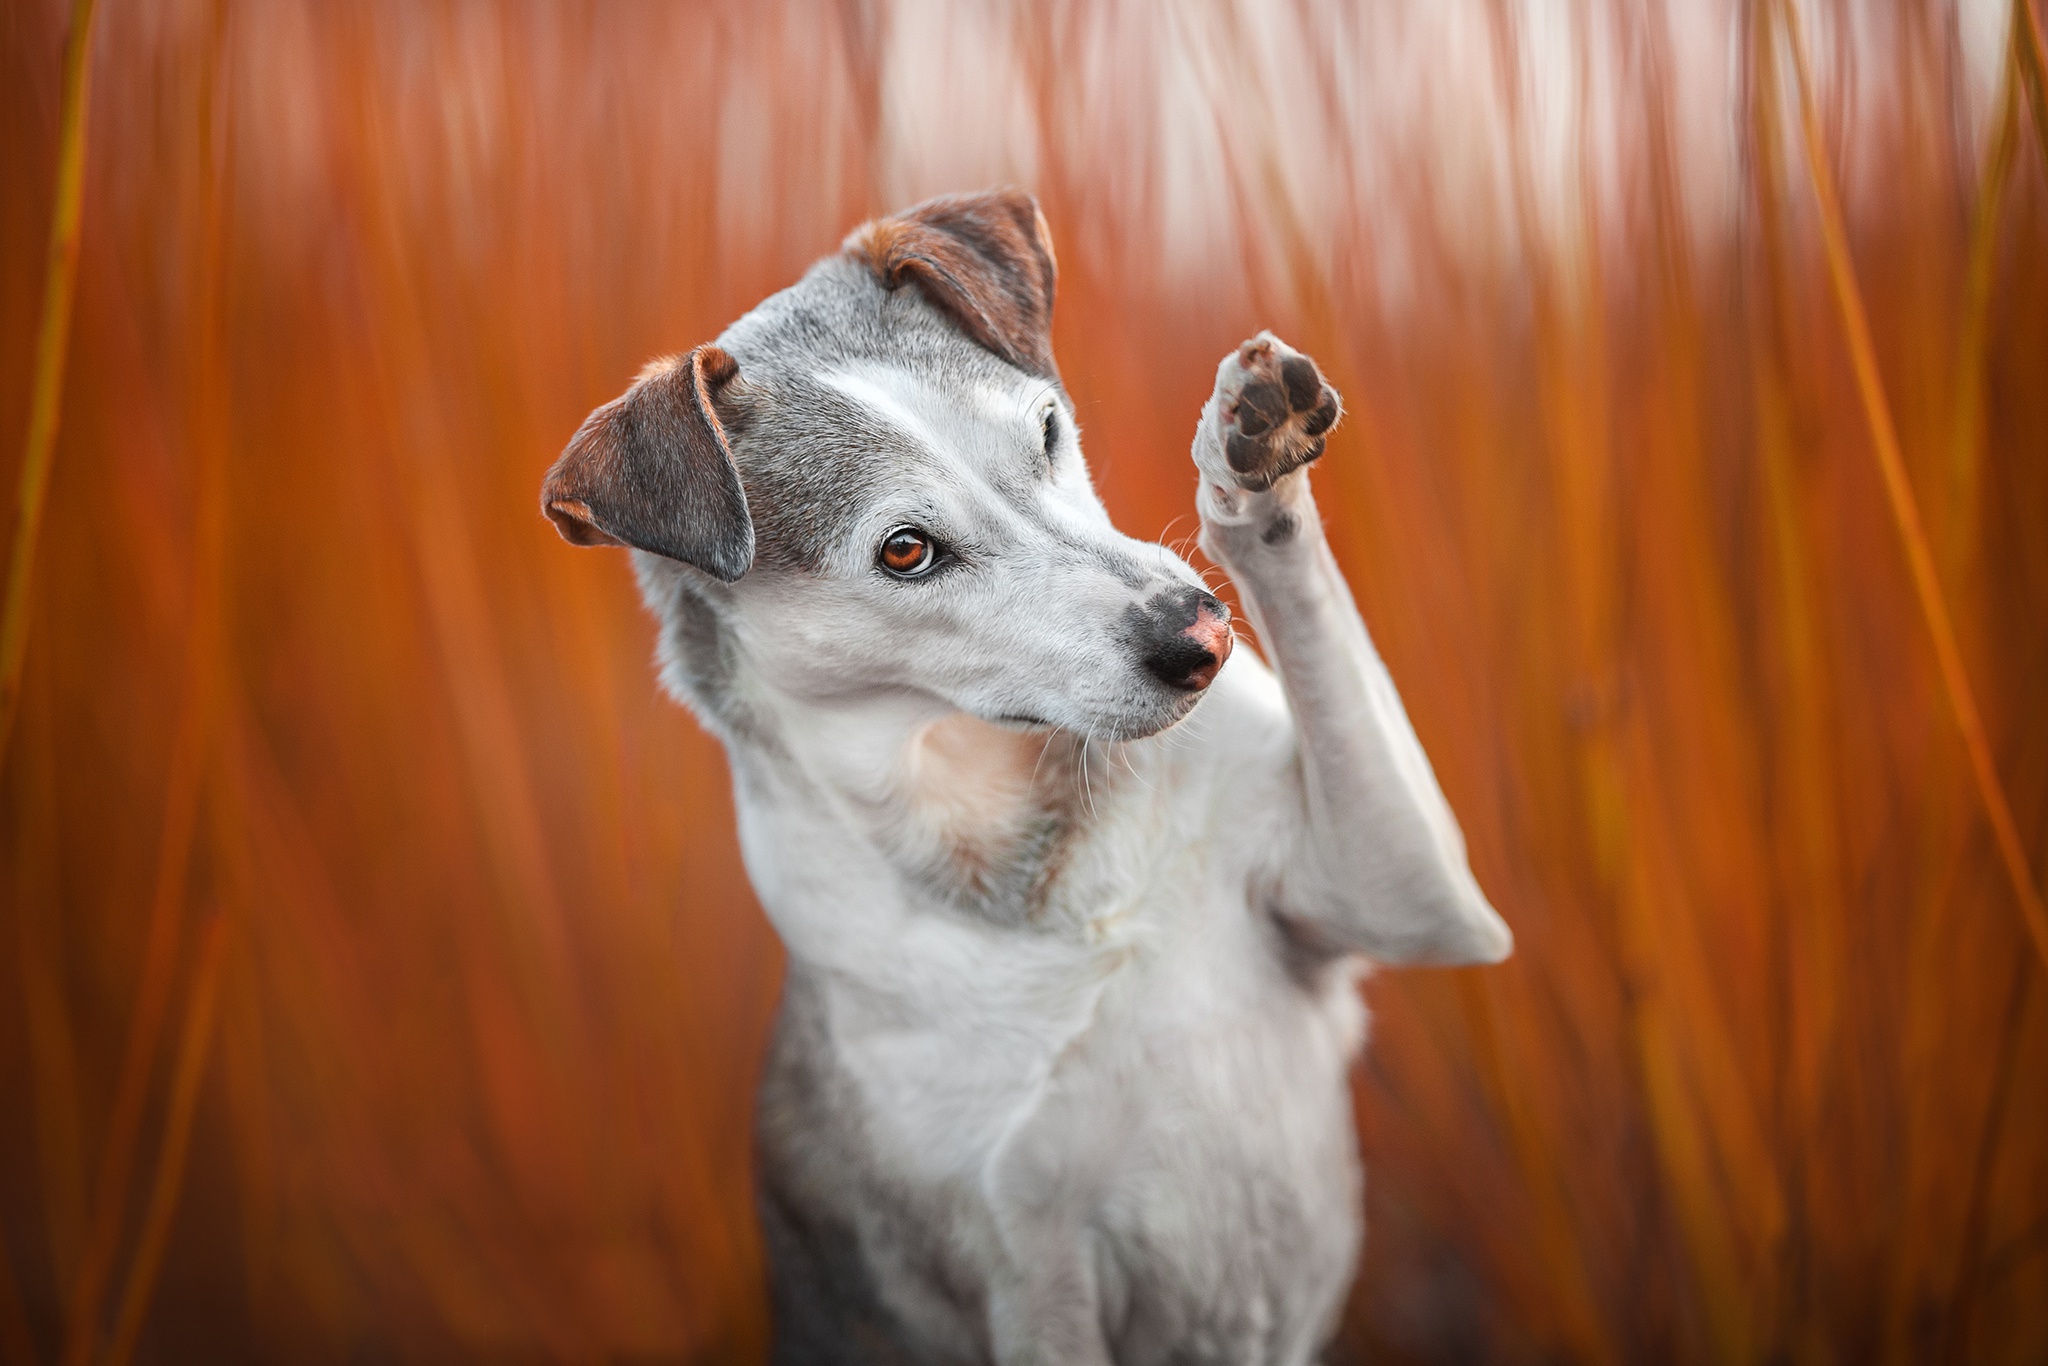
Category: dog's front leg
[1376,863]
[1046,1314]
[1045,1305]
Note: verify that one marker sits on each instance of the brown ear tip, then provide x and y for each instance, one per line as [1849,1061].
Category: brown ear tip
[878,240]
[575,521]
[984,258]
[716,364]
[1015,198]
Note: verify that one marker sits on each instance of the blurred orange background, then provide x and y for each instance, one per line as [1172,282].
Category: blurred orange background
[380,981]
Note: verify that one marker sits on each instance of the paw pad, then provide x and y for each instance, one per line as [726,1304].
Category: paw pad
[1275,409]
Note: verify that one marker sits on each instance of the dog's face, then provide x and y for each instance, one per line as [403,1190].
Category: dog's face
[874,483]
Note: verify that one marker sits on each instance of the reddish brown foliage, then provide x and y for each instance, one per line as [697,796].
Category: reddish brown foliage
[342,817]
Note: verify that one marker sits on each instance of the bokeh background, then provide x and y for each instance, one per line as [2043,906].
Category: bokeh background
[378,981]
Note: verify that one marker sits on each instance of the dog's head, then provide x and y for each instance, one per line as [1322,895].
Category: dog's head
[874,483]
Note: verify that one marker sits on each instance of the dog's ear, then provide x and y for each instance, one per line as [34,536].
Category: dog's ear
[652,469]
[986,259]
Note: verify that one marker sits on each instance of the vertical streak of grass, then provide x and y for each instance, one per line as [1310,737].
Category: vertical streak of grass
[46,389]
[1966,460]
[188,1072]
[55,1073]
[1976,1210]
[1563,1259]
[1702,1108]
[191,743]
[1804,957]
[1564,1256]
[1905,509]
[453,587]
[1966,450]
[17,1347]
[1582,567]
[2033,58]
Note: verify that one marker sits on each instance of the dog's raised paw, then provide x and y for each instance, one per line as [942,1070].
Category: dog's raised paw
[1274,411]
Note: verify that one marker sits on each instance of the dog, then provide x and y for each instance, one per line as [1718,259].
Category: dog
[1075,895]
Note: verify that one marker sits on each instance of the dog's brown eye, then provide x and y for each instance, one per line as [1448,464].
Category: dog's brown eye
[908,552]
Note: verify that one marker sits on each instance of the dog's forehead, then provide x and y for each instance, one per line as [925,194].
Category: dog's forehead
[825,448]
[948,415]
[853,392]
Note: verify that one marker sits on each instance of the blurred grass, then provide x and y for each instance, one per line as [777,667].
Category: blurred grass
[381,980]
[46,386]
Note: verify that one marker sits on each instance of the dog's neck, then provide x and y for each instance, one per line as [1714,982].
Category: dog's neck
[966,810]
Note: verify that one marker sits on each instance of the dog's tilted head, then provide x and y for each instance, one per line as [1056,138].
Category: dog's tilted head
[873,483]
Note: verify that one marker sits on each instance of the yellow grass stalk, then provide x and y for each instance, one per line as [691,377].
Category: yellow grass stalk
[1905,509]
[190,1070]
[46,389]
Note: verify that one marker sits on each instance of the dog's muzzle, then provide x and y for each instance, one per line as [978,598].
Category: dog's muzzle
[1188,637]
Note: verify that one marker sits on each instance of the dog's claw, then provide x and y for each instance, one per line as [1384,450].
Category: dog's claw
[1275,411]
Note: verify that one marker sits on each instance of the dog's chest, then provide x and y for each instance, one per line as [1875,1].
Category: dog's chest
[1153,1105]
[1001,927]
[1032,969]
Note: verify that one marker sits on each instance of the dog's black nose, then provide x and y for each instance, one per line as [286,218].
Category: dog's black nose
[1185,637]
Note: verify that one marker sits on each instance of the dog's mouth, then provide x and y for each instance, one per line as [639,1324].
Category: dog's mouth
[1112,729]
[1183,705]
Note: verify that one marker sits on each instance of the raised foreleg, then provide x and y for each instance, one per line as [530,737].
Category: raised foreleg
[1376,864]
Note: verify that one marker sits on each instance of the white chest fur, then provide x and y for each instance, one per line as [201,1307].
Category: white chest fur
[1040,1035]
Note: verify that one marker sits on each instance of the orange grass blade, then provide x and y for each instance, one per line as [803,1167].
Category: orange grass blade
[1905,509]
[46,390]
[1966,448]
[170,1165]
[1563,1260]
[1599,496]
[1805,955]
[1970,1279]
[152,1000]
[1967,456]
[2032,52]
[190,749]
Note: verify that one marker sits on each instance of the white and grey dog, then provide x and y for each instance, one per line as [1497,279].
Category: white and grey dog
[1074,897]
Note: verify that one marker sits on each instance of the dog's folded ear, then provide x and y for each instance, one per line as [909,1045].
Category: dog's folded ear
[653,470]
[985,259]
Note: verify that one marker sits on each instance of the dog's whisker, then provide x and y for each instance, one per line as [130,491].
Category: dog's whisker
[1087,788]
[1132,768]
